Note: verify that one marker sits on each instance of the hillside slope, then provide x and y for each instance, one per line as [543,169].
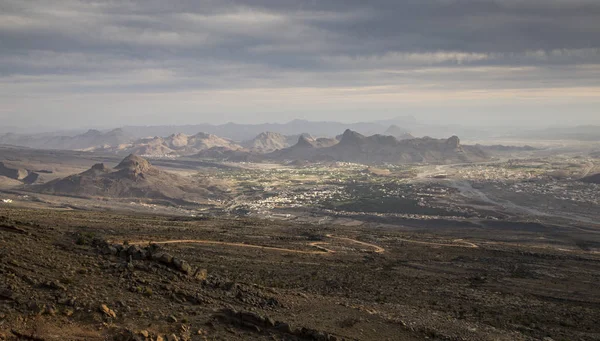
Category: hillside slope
[134,177]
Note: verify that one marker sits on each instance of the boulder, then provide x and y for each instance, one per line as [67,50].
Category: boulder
[284,327]
[107,311]
[166,258]
[253,318]
[201,274]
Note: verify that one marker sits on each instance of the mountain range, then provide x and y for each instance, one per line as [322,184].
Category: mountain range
[354,147]
[397,146]
[176,144]
[246,132]
[375,149]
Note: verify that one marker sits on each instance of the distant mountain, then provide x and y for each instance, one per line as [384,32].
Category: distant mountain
[267,142]
[407,120]
[245,132]
[323,142]
[355,147]
[175,144]
[395,130]
[134,177]
[90,139]
[405,136]
[302,150]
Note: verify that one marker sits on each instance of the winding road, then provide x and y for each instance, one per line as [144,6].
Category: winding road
[460,243]
[321,250]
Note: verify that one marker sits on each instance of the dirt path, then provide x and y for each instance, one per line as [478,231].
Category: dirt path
[212,242]
[460,243]
[321,250]
[463,243]
[378,249]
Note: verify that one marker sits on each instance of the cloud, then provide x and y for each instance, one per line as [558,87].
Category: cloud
[73,47]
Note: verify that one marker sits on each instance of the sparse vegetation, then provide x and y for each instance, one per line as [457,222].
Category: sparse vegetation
[430,280]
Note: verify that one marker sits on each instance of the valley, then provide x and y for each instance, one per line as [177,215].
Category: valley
[102,246]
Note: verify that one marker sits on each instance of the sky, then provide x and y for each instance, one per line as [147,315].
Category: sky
[67,63]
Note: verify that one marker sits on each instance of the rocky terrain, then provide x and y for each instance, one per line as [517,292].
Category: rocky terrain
[106,276]
[194,249]
[134,177]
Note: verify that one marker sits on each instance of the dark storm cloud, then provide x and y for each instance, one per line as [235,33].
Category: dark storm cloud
[297,34]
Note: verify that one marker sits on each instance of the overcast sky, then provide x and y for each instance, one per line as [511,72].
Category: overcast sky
[108,63]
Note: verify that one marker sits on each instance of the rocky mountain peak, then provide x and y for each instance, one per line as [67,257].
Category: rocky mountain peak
[304,141]
[453,142]
[351,137]
[135,163]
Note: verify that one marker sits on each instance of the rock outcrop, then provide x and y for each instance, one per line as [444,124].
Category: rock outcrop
[13,173]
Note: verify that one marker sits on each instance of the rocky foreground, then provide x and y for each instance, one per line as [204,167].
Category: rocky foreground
[67,275]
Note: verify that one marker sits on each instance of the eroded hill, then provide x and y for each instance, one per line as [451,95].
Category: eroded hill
[134,177]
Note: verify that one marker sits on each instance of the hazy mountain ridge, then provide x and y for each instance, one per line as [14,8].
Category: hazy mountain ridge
[268,137]
[392,143]
[90,139]
[245,132]
[398,133]
[176,144]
